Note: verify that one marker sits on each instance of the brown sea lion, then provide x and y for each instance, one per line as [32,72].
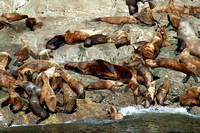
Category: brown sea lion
[69,99]
[101,69]
[44,54]
[56,42]
[187,38]
[5,54]
[74,83]
[33,23]
[104,84]
[24,53]
[132,6]
[57,82]
[119,20]
[97,39]
[34,106]
[151,49]
[114,115]
[3,23]
[123,38]
[174,15]
[47,94]
[190,97]
[78,35]
[172,64]
[15,101]
[162,91]
[149,94]
[14,16]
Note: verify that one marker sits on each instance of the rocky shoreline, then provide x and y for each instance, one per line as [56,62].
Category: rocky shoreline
[57,18]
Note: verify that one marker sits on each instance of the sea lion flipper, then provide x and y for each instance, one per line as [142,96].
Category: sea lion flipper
[32,54]
[186,78]
[110,67]
[27,110]
[40,120]
[59,104]
[195,78]
[4,103]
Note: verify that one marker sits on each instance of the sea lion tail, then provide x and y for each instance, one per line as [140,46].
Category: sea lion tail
[97,19]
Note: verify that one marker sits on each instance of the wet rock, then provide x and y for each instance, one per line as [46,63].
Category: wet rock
[195,110]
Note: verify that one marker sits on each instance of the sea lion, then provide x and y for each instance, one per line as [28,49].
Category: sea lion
[101,69]
[173,14]
[104,84]
[149,94]
[114,115]
[190,97]
[123,38]
[132,6]
[56,42]
[34,106]
[3,23]
[78,35]
[172,64]
[74,83]
[97,39]
[5,54]
[57,82]
[69,99]
[15,101]
[162,91]
[44,54]
[35,66]
[187,38]
[24,53]
[119,20]
[199,29]
[151,49]
[33,23]
[6,77]
[14,16]
[47,94]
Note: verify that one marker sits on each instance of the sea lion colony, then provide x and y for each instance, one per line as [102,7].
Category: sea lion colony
[41,91]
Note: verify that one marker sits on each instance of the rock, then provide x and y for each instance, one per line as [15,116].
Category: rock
[195,110]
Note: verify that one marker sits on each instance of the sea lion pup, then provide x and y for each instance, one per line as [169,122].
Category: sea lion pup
[34,106]
[123,38]
[190,96]
[119,20]
[33,23]
[69,99]
[15,101]
[24,53]
[102,69]
[28,87]
[14,16]
[132,6]
[149,94]
[35,66]
[188,38]
[173,14]
[97,39]
[73,83]
[57,82]
[56,42]
[78,35]
[162,91]
[47,95]
[114,115]
[44,54]
[3,23]
[172,64]
[104,84]
[5,54]
[151,49]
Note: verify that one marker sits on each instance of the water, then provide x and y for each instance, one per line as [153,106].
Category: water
[136,120]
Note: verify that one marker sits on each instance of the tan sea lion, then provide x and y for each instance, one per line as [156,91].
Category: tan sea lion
[114,115]
[3,23]
[69,99]
[162,91]
[149,94]
[47,94]
[104,84]
[44,54]
[56,42]
[97,39]
[5,54]
[15,101]
[74,83]
[78,35]
[190,97]
[57,82]
[119,20]
[14,16]
[33,23]
[101,69]
[24,53]
[123,38]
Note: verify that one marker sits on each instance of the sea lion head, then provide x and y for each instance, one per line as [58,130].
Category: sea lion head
[81,93]
[88,42]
